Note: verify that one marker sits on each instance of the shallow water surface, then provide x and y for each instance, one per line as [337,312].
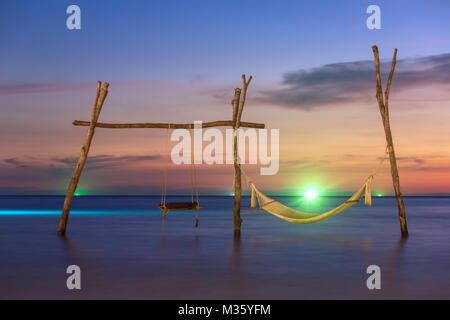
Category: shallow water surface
[124,251]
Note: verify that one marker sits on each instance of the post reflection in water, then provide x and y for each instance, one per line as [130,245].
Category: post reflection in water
[126,255]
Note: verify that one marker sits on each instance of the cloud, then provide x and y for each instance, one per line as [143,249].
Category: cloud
[103,173]
[198,78]
[57,166]
[354,81]
[107,174]
[15,162]
[101,161]
[40,87]
[415,160]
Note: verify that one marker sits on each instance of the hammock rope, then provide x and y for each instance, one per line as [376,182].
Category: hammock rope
[299,217]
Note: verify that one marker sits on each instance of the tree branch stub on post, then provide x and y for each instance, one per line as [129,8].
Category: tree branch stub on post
[245,85]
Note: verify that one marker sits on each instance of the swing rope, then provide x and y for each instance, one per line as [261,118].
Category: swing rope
[191,170]
[166,168]
[166,206]
[194,184]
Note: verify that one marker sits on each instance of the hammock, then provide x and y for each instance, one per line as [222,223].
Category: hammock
[295,216]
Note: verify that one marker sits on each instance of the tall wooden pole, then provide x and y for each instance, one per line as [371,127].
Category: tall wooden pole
[238,107]
[384,111]
[102,91]
[237,168]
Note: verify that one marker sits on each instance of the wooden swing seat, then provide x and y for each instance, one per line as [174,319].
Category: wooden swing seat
[173,206]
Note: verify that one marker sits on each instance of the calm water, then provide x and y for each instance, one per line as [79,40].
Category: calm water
[124,252]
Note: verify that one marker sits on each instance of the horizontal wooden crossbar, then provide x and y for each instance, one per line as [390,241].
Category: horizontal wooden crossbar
[223,123]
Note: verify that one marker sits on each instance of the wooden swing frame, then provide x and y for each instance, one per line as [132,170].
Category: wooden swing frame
[238,106]
[237,103]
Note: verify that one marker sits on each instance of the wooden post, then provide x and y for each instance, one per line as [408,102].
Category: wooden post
[384,111]
[237,170]
[102,91]
[238,107]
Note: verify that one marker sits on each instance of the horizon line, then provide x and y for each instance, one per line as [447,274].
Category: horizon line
[216,195]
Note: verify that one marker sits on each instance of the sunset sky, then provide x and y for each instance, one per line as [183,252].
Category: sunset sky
[179,61]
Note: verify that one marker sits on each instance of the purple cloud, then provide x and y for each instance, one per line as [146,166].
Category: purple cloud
[355,81]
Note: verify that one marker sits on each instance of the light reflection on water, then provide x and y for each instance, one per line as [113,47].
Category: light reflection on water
[128,255]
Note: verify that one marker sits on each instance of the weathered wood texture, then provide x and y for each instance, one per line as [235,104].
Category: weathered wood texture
[222,123]
[238,107]
[186,205]
[102,91]
[237,169]
[384,111]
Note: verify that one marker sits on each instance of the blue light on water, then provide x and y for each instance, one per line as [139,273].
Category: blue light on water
[74,212]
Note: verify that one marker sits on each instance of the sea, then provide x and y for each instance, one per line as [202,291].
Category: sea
[125,251]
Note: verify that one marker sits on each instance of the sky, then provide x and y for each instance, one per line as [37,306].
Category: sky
[179,61]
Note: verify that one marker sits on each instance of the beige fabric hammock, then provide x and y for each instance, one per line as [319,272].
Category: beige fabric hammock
[295,216]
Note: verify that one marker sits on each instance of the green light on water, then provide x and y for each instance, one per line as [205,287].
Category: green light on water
[77,193]
[379,194]
[311,194]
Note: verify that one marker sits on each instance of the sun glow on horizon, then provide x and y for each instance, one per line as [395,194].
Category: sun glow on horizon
[311,194]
